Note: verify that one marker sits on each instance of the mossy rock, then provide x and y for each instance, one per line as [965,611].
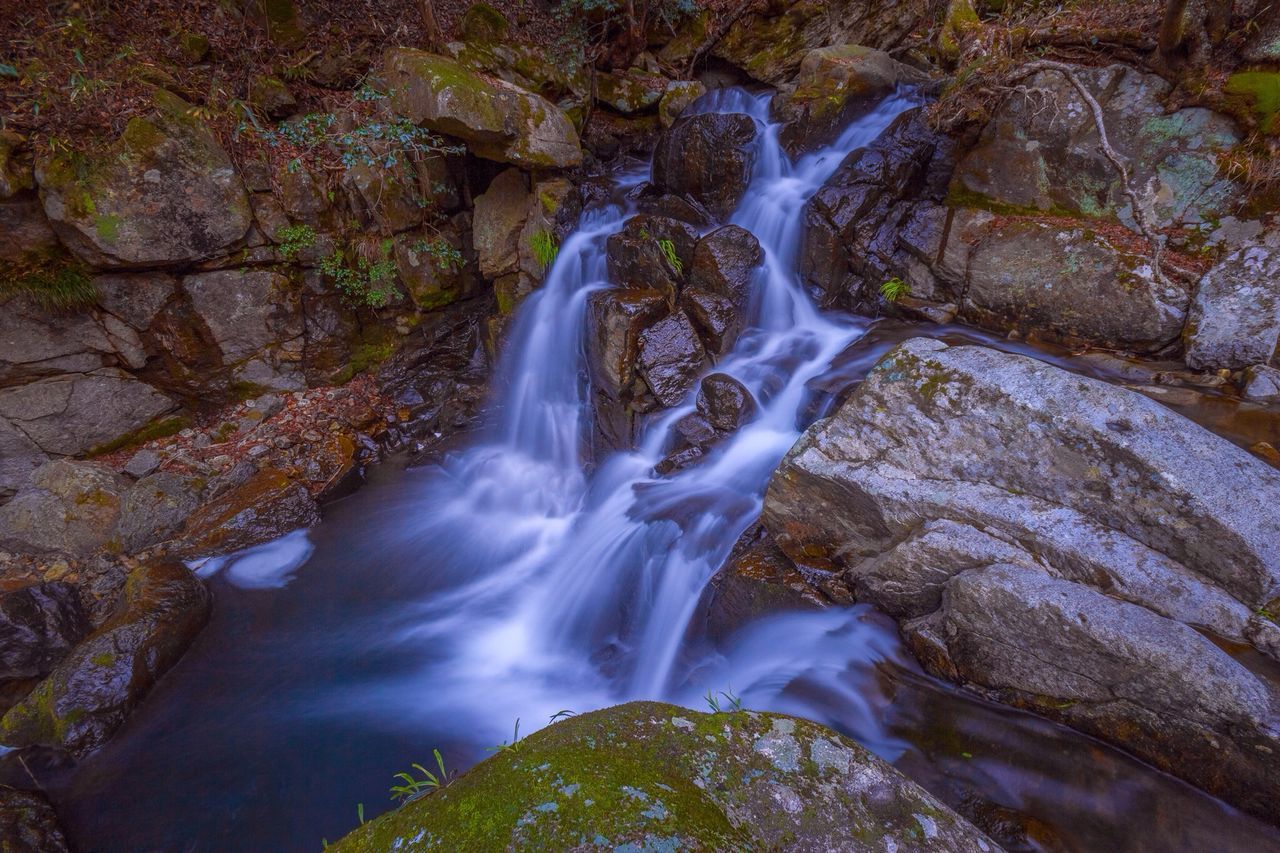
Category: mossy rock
[484,24]
[165,193]
[1258,91]
[652,776]
[496,119]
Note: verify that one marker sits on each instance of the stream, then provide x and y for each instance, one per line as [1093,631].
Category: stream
[512,581]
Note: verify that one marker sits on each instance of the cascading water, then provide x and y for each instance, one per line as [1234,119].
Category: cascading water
[437,605]
[586,584]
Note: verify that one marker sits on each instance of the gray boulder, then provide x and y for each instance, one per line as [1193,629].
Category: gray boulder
[1235,319]
[38,626]
[156,507]
[68,507]
[1130,523]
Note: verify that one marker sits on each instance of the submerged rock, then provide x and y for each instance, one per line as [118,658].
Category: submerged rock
[652,776]
[708,157]
[92,691]
[28,823]
[1055,542]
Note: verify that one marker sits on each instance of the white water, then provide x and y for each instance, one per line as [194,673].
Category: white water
[575,590]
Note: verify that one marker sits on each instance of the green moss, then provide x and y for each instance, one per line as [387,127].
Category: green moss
[1260,92]
[103,659]
[159,428]
[55,281]
[107,227]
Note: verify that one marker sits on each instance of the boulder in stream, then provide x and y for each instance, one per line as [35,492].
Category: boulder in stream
[1235,318]
[39,624]
[708,157]
[1059,544]
[651,776]
[28,823]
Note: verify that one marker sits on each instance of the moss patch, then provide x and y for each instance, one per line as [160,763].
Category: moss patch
[1259,91]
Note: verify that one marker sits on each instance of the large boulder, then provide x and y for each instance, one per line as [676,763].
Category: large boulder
[498,120]
[671,357]
[834,87]
[38,626]
[266,506]
[1235,319]
[1070,285]
[615,320]
[1040,152]
[91,692]
[1057,543]
[154,508]
[75,413]
[707,157]
[164,194]
[68,507]
[636,256]
[649,776]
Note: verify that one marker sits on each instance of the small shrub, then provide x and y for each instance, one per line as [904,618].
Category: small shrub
[713,701]
[669,252]
[293,239]
[894,289]
[368,283]
[445,254]
[513,746]
[545,248]
[412,787]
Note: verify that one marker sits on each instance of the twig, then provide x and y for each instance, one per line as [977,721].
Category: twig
[1156,239]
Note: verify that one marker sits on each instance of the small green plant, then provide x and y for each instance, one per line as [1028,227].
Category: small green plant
[561,715]
[412,788]
[545,248]
[293,239]
[513,746]
[669,252]
[894,289]
[368,283]
[713,701]
[447,257]
[360,812]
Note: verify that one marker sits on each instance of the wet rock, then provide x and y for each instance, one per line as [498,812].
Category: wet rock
[156,507]
[1262,383]
[1235,318]
[266,506]
[1040,153]
[1070,285]
[616,319]
[725,262]
[717,318]
[1109,525]
[677,98]
[28,823]
[671,357]
[68,507]
[39,624]
[498,120]
[92,691]
[636,257]
[725,403]
[500,214]
[649,774]
[757,580]
[165,193]
[709,158]
[834,87]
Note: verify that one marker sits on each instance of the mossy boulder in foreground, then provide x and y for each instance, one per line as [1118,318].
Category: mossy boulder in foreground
[651,776]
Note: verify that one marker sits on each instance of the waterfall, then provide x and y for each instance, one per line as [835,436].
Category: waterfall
[580,586]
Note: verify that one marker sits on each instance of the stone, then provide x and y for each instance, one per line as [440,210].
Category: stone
[252,315]
[756,581]
[709,158]
[35,342]
[631,91]
[28,823]
[135,298]
[1072,286]
[725,402]
[671,357]
[770,43]
[1015,516]
[834,87]
[678,97]
[650,775]
[271,97]
[39,624]
[68,507]
[498,120]
[302,196]
[265,506]
[19,456]
[1234,321]
[90,694]
[142,463]
[157,506]
[1262,383]
[636,258]
[164,194]
[717,319]
[725,262]
[1040,153]
[499,217]
[616,319]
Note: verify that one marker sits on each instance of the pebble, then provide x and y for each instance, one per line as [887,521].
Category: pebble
[258,450]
